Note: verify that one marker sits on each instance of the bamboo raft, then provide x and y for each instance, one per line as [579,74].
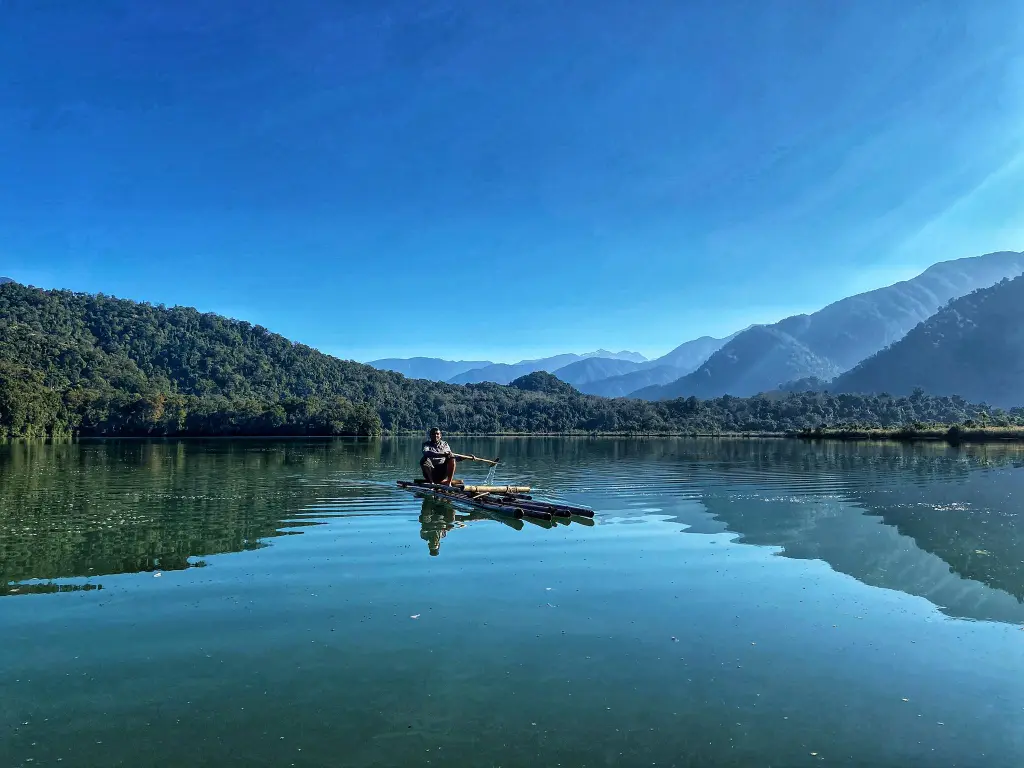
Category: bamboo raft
[503,500]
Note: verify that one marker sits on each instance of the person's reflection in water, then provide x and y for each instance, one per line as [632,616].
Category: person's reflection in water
[436,519]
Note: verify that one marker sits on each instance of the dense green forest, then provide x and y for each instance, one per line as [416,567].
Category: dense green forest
[78,364]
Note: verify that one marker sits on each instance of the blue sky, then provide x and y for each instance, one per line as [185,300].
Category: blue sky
[505,179]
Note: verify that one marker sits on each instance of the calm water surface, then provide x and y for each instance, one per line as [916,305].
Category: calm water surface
[735,603]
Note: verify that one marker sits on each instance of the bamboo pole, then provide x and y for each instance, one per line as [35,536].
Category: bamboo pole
[471,457]
[510,490]
[453,494]
[560,510]
[500,499]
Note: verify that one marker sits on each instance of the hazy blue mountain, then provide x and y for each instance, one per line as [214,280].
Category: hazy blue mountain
[623,354]
[432,368]
[583,372]
[503,373]
[5,280]
[854,328]
[837,337]
[627,383]
[680,361]
[745,362]
[974,347]
[691,354]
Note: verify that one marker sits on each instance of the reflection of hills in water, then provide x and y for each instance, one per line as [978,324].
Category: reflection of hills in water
[102,508]
[96,508]
[925,520]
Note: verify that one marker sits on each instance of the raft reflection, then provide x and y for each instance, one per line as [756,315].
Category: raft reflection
[437,517]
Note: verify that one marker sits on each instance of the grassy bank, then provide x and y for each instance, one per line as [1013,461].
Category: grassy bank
[951,433]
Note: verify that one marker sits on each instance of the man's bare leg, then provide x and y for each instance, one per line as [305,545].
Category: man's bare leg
[449,465]
[427,474]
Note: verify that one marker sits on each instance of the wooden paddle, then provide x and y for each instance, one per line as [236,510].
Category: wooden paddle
[471,457]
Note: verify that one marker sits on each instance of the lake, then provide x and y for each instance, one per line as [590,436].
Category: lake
[737,602]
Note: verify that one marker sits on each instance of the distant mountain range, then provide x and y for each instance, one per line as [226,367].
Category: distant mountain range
[798,353]
[610,374]
[757,355]
[468,372]
[836,338]
[583,373]
[431,368]
[680,361]
[973,347]
[503,373]
[5,280]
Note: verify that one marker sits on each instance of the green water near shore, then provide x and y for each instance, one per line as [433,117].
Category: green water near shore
[738,602]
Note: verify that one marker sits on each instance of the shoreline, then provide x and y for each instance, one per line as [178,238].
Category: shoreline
[953,435]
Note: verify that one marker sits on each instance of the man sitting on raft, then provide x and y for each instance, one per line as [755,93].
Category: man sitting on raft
[438,462]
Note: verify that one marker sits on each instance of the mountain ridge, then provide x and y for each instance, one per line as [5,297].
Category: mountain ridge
[504,373]
[825,343]
[744,361]
[677,362]
[432,368]
[593,369]
[972,348]
[91,365]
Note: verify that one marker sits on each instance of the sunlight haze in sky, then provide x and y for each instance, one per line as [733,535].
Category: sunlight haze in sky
[505,180]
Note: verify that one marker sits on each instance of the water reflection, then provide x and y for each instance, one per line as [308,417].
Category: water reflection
[638,642]
[933,522]
[930,520]
[100,509]
[436,519]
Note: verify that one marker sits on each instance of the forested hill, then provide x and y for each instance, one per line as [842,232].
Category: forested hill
[74,363]
[974,347]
